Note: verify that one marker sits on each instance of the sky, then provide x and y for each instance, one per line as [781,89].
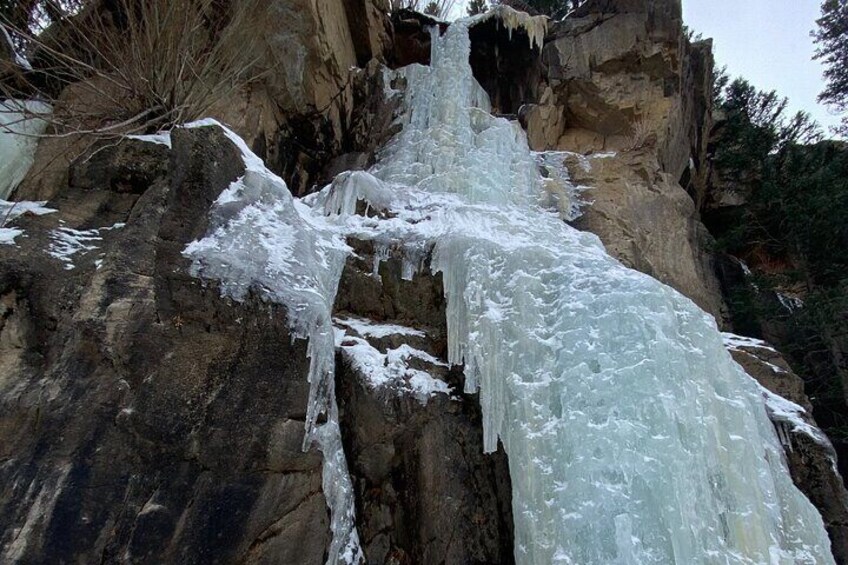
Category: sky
[767,42]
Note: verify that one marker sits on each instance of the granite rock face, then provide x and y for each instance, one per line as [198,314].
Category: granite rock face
[648,223]
[621,79]
[145,419]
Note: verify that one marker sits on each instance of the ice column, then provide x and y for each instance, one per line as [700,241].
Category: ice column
[262,240]
[632,436]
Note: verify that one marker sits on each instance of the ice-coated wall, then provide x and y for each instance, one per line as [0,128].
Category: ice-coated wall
[20,126]
[632,436]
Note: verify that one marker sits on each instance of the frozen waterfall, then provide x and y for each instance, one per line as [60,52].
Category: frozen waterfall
[632,436]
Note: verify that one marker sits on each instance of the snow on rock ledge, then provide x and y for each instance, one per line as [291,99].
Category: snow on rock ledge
[11,210]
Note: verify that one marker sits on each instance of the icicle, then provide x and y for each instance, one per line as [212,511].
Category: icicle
[261,239]
[536,27]
[631,434]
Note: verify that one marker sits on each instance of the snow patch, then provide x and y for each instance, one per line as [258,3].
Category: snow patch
[784,411]
[391,369]
[8,235]
[162,138]
[369,328]
[67,242]
[11,210]
[737,342]
[790,303]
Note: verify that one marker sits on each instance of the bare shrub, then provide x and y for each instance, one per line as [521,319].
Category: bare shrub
[641,135]
[142,65]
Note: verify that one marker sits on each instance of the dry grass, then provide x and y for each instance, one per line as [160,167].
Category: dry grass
[143,65]
[641,135]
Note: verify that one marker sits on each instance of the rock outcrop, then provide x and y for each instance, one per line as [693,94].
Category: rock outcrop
[648,222]
[143,418]
[621,79]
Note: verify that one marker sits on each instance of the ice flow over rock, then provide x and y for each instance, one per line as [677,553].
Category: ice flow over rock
[632,436]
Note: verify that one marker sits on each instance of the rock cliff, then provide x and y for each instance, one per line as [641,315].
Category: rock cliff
[145,419]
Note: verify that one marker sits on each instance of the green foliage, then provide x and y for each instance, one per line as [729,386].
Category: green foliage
[477,7]
[432,9]
[796,215]
[831,37]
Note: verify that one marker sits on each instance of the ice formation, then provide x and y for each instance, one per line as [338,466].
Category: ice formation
[535,26]
[393,368]
[20,126]
[264,241]
[632,436]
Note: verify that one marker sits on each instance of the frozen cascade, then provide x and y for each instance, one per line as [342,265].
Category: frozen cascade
[632,436]
[264,241]
[20,125]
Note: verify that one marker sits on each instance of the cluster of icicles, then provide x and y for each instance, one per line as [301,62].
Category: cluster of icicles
[632,436]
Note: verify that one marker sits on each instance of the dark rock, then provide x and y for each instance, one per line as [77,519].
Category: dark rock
[129,166]
[142,417]
[425,491]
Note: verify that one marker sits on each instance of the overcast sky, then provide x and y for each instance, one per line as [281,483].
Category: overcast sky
[768,42]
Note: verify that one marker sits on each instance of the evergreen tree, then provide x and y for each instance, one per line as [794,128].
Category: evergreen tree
[477,7]
[552,8]
[832,40]
[433,9]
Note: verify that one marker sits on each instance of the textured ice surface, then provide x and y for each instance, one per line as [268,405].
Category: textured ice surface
[261,240]
[19,128]
[633,438]
[632,435]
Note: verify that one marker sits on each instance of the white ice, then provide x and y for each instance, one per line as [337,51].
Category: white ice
[369,328]
[21,122]
[263,241]
[393,369]
[632,436]
[67,242]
